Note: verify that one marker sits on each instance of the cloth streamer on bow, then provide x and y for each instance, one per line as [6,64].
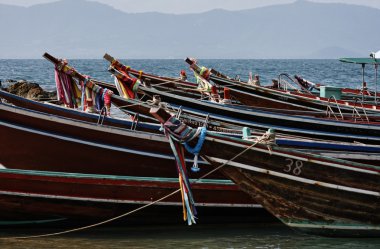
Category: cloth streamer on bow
[127,87]
[189,210]
[188,204]
[83,95]
[67,90]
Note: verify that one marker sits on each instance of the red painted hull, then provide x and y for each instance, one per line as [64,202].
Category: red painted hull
[44,142]
[37,141]
[52,195]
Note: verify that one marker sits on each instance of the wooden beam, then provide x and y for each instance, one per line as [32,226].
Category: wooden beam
[108,57]
[160,114]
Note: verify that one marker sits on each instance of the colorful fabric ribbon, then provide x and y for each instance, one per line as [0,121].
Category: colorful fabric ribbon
[177,133]
[67,89]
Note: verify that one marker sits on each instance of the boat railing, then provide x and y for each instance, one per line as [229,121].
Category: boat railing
[205,123]
[290,85]
[102,115]
[179,112]
[330,111]
[355,112]
[135,121]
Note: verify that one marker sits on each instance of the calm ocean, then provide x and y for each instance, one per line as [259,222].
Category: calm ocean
[329,72]
[224,235]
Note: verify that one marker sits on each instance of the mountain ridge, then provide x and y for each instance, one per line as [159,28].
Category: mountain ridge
[86,29]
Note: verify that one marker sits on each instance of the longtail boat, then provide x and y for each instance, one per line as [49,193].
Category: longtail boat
[193,90]
[348,93]
[167,84]
[36,141]
[353,151]
[339,149]
[311,193]
[255,95]
[363,131]
[359,131]
[35,197]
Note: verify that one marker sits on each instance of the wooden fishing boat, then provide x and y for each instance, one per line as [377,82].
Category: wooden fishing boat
[192,90]
[95,118]
[40,141]
[29,196]
[347,93]
[366,132]
[353,151]
[296,125]
[311,193]
[254,95]
[223,114]
[31,140]
[166,84]
[158,81]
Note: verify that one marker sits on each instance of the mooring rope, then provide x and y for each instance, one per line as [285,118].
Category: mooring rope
[166,82]
[93,225]
[261,139]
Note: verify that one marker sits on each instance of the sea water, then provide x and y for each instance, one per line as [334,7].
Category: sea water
[259,235]
[224,235]
[327,72]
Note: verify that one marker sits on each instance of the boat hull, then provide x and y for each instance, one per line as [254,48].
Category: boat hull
[332,196]
[32,140]
[57,196]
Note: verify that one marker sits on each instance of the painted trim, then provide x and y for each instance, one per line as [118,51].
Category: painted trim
[25,222]
[118,201]
[110,177]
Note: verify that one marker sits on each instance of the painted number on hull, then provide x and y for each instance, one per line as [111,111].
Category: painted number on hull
[293,166]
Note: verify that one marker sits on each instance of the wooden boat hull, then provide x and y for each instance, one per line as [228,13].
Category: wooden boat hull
[357,152]
[295,125]
[311,209]
[318,194]
[54,196]
[36,141]
[289,100]
[320,197]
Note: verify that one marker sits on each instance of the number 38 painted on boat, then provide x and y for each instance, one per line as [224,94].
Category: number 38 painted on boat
[293,166]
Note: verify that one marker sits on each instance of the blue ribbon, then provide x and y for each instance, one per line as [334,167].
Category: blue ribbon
[197,148]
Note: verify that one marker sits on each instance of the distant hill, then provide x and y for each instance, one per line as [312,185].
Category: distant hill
[83,29]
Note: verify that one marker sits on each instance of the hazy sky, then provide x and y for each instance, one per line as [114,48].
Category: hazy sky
[191,6]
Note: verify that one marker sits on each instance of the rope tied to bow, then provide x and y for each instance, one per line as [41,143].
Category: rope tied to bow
[197,148]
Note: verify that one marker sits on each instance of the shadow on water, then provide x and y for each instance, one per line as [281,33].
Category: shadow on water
[261,236]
